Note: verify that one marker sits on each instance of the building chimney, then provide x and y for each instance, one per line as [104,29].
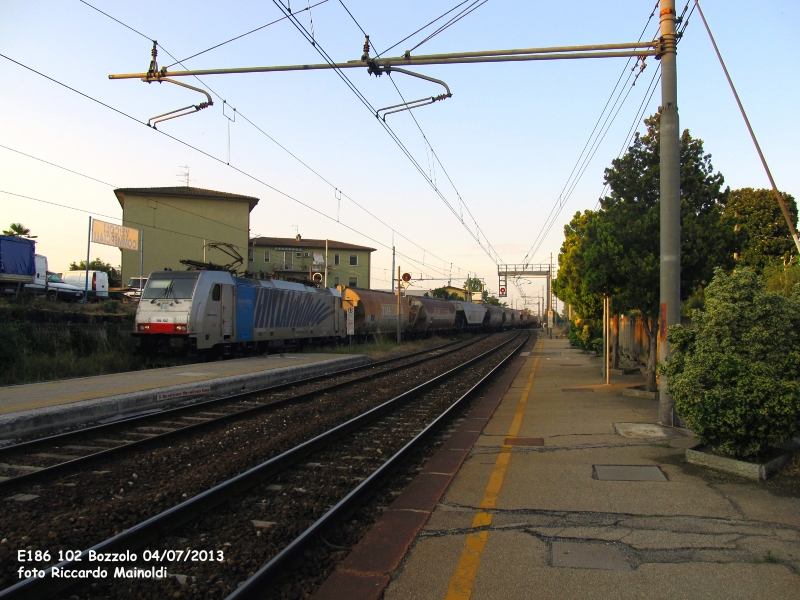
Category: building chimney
[297,237]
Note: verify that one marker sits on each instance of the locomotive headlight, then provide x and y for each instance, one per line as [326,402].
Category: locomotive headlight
[180,327]
[144,327]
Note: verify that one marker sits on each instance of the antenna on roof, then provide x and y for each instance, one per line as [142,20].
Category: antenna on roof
[185,175]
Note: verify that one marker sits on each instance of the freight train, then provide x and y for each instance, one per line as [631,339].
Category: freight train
[208,313]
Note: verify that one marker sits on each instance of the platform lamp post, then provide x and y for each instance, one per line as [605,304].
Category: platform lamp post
[670,207]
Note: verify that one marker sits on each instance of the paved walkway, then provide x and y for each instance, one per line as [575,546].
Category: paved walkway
[570,519]
[38,395]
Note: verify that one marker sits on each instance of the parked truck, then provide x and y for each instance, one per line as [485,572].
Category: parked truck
[17,263]
[24,271]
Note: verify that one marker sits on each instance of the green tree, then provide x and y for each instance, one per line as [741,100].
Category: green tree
[444,294]
[621,246]
[764,236]
[782,279]
[735,374]
[18,230]
[114,275]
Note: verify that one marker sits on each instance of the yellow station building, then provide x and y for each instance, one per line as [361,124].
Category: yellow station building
[298,258]
[179,221]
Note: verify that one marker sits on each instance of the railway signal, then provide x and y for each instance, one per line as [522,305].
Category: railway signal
[406,277]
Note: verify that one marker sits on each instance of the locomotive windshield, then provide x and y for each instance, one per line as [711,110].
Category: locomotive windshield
[176,289]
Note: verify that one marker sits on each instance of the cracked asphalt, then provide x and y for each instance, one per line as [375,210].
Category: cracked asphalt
[551,529]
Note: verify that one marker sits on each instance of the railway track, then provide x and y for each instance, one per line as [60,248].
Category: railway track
[40,459]
[276,487]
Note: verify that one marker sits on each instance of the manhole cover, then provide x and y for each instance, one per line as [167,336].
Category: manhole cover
[580,555]
[628,473]
[520,441]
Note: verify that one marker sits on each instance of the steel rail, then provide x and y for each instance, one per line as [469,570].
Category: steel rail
[156,526]
[84,461]
[254,586]
[624,50]
[157,413]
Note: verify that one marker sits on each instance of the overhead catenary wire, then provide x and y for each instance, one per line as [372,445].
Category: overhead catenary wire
[436,157]
[472,7]
[372,110]
[211,156]
[264,132]
[562,199]
[648,96]
[422,28]
[116,186]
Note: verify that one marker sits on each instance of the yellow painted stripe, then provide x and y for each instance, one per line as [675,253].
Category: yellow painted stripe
[463,580]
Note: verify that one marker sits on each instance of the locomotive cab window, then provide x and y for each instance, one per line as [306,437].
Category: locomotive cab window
[168,288]
[215,292]
[354,260]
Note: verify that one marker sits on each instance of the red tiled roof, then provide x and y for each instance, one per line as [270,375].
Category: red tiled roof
[306,243]
[183,191]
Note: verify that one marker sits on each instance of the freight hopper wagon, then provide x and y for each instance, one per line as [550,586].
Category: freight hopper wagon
[471,316]
[374,313]
[429,315]
[208,313]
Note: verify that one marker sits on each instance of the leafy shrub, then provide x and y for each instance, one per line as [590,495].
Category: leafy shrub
[735,375]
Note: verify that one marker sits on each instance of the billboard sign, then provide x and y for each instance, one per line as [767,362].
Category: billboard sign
[120,236]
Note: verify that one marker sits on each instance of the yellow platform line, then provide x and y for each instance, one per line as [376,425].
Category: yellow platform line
[463,580]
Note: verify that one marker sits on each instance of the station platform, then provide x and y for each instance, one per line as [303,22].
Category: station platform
[558,486]
[44,407]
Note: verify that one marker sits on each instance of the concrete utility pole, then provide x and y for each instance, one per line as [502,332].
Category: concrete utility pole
[670,196]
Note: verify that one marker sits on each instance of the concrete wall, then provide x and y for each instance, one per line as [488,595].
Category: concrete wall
[171,233]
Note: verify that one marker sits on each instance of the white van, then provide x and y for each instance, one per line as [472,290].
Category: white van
[51,285]
[98,283]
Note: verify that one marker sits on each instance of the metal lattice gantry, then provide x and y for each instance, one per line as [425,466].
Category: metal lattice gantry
[528,270]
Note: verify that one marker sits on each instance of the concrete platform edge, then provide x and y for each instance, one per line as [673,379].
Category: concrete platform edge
[367,570]
[51,418]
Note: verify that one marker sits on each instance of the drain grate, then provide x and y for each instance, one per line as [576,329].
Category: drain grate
[628,473]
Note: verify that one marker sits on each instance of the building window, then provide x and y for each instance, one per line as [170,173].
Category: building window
[299,255]
[266,256]
[336,260]
[335,281]
[354,260]
[353,282]
[251,255]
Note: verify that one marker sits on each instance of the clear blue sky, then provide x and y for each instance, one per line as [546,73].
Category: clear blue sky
[508,138]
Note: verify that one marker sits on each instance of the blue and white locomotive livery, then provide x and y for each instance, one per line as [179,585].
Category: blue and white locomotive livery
[197,312]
